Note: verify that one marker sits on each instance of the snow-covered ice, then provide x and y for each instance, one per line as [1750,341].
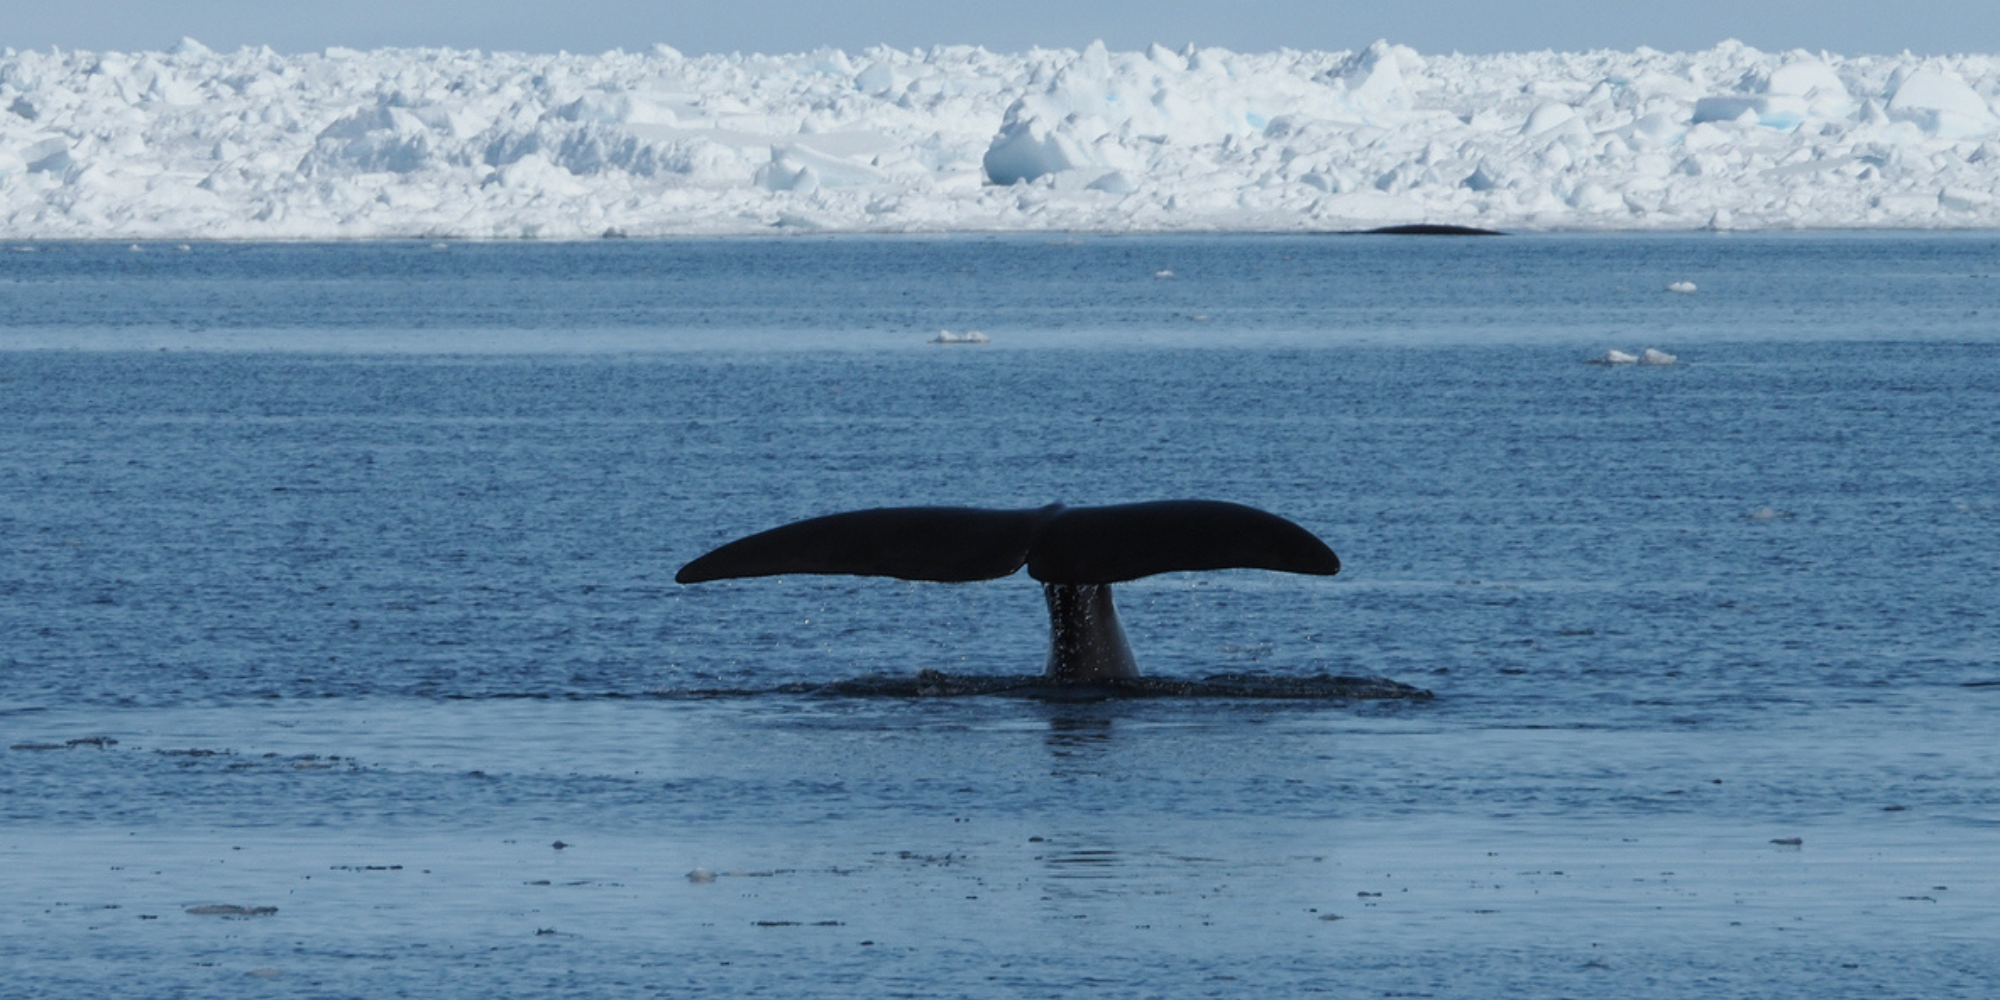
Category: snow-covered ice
[433,143]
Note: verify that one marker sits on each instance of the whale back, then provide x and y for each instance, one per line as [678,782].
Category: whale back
[1063,545]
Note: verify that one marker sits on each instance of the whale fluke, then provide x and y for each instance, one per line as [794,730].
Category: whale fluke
[1076,552]
[1115,544]
[1057,544]
[940,544]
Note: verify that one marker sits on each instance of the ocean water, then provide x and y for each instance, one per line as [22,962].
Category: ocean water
[336,587]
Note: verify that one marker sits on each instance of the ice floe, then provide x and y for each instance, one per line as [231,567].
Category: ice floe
[1649,356]
[431,143]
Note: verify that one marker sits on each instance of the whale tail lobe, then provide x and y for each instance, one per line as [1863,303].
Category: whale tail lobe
[1077,553]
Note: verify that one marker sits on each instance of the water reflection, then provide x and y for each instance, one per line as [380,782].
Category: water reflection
[1079,740]
[1078,734]
[1079,865]
[1082,862]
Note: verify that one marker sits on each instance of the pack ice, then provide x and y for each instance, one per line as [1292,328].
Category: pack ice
[191,143]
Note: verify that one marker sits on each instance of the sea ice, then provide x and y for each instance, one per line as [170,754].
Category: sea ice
[432,143]
[1940,103]
[968,337]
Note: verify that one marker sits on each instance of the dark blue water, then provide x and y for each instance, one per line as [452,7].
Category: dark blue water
[864,292]
[363,556]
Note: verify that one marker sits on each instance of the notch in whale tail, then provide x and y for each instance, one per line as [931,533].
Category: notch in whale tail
[1076,552]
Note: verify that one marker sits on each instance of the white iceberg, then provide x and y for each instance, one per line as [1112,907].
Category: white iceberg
[968,337]
[254,144]
[1941,103]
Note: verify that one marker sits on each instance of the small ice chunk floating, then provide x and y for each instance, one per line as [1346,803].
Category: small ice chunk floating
[1076,552]
[1650,356]
[968,337]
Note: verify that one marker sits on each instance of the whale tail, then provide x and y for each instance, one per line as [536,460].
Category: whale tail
[1077,553]
[1057,544]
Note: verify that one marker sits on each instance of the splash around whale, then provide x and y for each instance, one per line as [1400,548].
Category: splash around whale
[1076,553]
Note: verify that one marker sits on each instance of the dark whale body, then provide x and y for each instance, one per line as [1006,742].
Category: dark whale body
[1076,552]
[1430,229]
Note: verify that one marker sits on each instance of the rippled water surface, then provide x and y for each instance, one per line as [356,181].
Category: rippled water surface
[337,579]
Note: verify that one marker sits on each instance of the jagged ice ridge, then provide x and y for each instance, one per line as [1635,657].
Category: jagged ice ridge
[191,143]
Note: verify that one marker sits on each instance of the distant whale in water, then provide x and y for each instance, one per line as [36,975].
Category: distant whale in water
[1431,229]
[1076,552]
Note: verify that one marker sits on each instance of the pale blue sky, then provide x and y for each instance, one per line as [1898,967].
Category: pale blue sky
[1847,27]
